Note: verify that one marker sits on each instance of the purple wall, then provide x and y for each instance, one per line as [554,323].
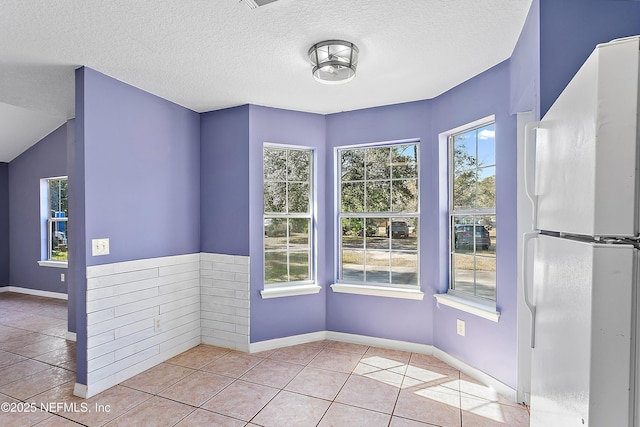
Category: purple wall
[47,158]
[570,30]
[381,317]
[77,235]
[142,172]
[4,224]
[488,346]
[524,65]
[224,181]
[281,317]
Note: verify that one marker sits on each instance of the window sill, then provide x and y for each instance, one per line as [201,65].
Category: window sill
[287,291]
[57,264]
[482,310]
[378,291]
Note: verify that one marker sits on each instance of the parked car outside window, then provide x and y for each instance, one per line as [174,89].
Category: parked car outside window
[464,236]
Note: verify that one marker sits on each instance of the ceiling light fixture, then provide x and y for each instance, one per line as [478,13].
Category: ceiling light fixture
[334,61]
[254,4]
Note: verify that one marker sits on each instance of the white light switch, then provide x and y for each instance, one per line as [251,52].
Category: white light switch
[99,247]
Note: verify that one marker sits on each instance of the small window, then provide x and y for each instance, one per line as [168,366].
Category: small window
[472,212]
[288,218]
[55,216]
[379,215]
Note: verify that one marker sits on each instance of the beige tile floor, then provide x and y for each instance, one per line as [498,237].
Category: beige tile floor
[326,383]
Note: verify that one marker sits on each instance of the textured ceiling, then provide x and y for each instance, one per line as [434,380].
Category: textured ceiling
[212,54]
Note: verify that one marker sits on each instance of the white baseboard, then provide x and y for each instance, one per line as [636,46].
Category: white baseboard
[36,292]
[80,390]
[70,336]
[477,374]
[463,367]
[273,344]
[380,342]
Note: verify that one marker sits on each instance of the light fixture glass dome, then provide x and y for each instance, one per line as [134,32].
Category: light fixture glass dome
[334,61]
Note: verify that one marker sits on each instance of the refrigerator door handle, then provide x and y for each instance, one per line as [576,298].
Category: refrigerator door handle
[526,237]
[529,170]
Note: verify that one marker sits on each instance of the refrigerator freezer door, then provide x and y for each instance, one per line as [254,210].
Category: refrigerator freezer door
[586,148]
[581,364]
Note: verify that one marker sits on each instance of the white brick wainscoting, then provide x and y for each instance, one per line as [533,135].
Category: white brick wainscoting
[140,313]
[224,300]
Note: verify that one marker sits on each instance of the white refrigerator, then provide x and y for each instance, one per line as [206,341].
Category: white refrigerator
[582,280]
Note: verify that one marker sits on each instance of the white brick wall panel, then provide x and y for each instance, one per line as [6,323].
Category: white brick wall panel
[155,340]
[118,322]
[179,268]
[110,291]
[177,278]
[100,362]
[177,286]
[120,342]
[120,300]
[193,338]
[157,301]
[119,365]
[100,316]
[99,339]
[242,278]
[120,278]
[133,328]
[178,304]
[219,274]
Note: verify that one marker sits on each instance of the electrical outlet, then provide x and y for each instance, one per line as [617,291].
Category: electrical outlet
[99,247]
[62,277]
[460,327]
[156,325]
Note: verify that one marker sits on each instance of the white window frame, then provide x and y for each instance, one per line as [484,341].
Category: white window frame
[458,298]
[405,291]
[299,287]
[46,221]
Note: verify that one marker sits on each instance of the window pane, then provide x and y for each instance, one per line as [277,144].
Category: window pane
[404,268]
[299,233]
[275,196]
[377,237]
[59,248]
[298,198]
[352,165]
[486,146]
[275,162]
[377,267]
[404,233]
[275,233]
[486,236]
[378,196]
[378,163]
[464,190]
[58,200]
[464,152]
[352,235]
[487,187]
[463,273]
[352,197]
[405,195]
[275,267]
[299,266]
[353,265]
[486,277]
[404,161]
[299,165]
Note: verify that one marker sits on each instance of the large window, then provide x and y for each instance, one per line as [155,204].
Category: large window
[379,215]
[472,200]
[288,218]
[55,211]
